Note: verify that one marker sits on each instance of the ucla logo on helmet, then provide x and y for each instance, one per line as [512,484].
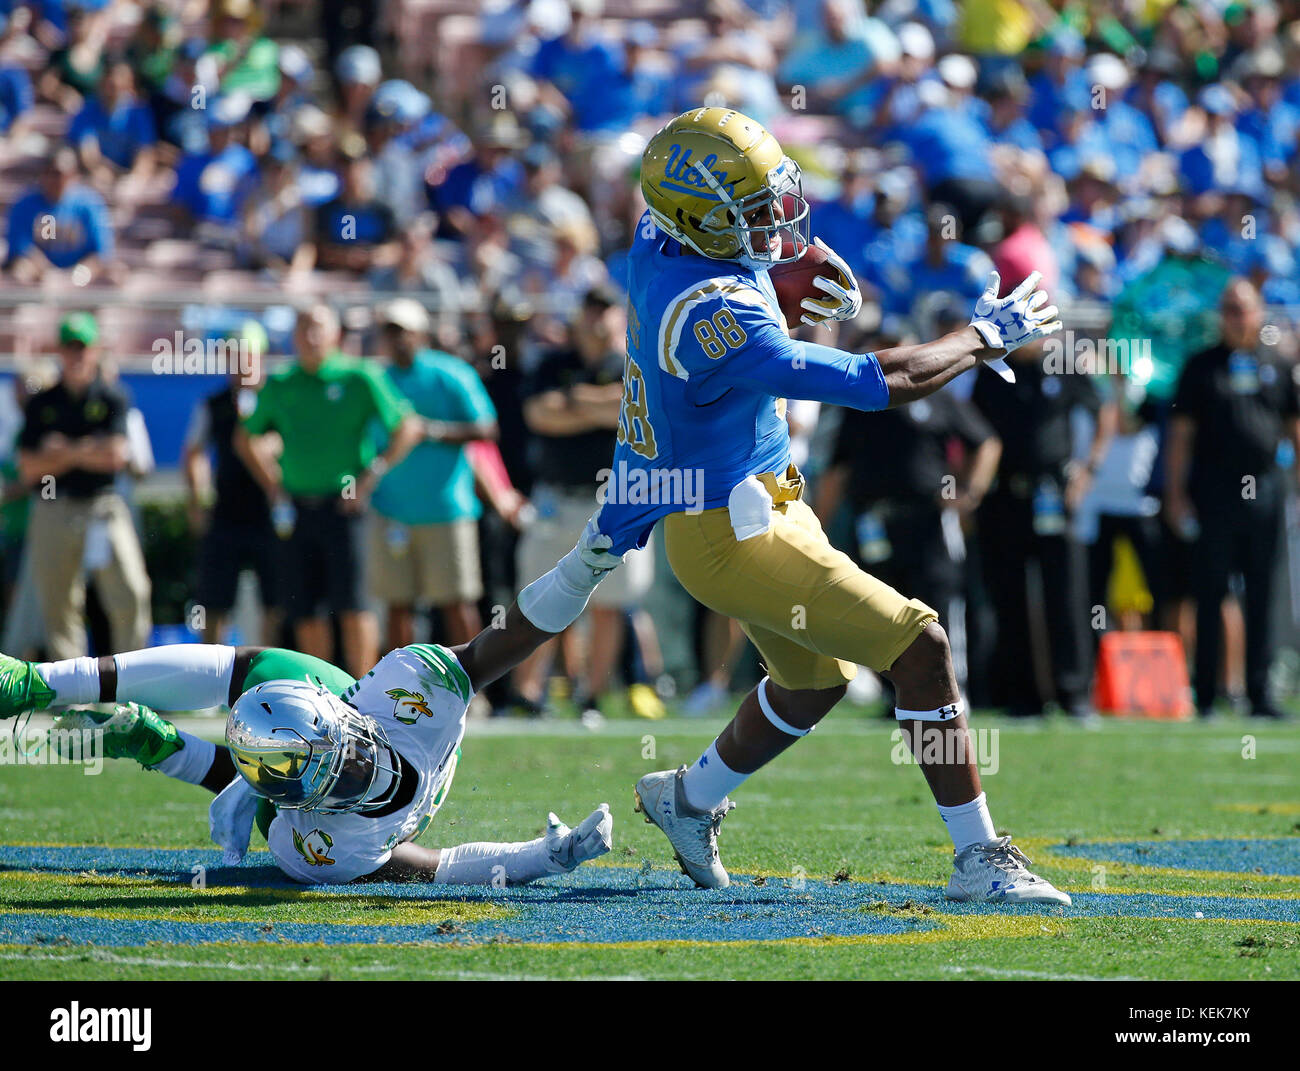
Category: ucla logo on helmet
[680,174]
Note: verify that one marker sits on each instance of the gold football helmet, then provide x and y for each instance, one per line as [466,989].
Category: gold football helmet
[718,182]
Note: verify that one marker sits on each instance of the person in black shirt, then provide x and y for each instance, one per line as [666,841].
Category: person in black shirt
[71,448]
[1235,404]
[897,469]
[571,406]
[1026,519]
[228,508]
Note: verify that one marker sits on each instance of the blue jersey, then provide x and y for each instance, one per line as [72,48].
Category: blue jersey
[709,361]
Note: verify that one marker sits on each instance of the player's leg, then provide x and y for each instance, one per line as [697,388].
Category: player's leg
[134,731]
[814,614]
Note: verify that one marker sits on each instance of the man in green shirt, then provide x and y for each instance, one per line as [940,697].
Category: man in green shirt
[424,539]
[323,409]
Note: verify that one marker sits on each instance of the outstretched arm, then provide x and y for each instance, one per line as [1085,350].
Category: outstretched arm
[770,362]
[912,372]
[545,608]
[494,652]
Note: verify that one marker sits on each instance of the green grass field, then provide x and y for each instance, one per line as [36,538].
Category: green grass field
[837,853]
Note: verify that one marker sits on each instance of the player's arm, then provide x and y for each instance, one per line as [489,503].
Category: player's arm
[912,372]
[544,608]
[999,326]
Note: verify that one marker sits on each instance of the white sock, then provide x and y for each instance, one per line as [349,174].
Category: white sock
[710,780]
[192,763]
[74,680]
[484,863]
[969,823]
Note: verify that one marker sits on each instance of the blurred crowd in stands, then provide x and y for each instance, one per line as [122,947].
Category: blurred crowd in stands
[479,161]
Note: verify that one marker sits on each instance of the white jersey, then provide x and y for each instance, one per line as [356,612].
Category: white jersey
[418,695]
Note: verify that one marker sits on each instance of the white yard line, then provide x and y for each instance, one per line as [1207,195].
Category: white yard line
[1053,976]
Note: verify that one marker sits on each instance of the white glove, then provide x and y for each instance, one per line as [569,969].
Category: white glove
[570,847]
[555,600]
[593,549]
[1010,322]
[843,301]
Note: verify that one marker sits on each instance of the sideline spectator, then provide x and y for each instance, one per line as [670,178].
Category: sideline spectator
[1236,402]
[228,509]
[322,409]
[72,446]
[424,541]
[1027,521]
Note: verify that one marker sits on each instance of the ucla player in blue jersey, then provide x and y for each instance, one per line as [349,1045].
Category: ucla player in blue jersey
[702,444]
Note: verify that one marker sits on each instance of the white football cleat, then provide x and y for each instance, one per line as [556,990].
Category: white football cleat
[998,873]
[693,834]
[569,848]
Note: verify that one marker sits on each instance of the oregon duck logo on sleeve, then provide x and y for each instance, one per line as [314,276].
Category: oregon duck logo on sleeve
[315,847]
[410,705]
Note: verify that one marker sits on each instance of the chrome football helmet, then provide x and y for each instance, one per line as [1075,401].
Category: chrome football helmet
[303,748]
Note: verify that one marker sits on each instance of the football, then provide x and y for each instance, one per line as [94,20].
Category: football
[793,282]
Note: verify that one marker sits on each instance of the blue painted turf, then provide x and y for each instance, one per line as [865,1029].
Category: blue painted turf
[1279,856]
[595,904]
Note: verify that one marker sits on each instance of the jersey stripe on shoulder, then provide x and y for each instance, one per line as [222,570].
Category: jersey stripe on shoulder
[677,312]
[445,665]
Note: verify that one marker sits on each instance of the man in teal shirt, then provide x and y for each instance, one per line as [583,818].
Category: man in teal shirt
[424,539]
